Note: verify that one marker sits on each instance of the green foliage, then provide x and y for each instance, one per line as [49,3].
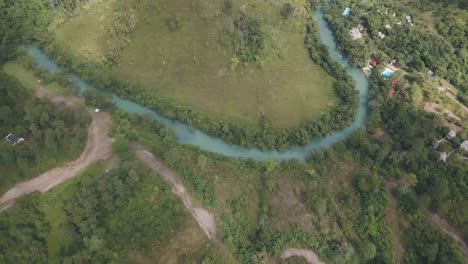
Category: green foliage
[426,245]
[21,22]
[95,99]
[173,23]
[23,232]
[286,10]
[248,38]
[374,201]
[53,134]
[121,146]
[107,212]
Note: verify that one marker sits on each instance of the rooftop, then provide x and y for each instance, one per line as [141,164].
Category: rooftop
[13,139]
[346,11]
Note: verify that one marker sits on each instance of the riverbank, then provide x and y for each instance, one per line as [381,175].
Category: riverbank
[195,137]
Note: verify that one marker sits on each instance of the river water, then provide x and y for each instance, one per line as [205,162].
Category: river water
[187,135]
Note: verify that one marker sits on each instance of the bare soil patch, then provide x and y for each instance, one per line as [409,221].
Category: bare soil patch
[309,255]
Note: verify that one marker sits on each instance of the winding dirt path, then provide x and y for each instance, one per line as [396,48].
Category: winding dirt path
[98,147]
[451,231]
[309,255]
[204,218]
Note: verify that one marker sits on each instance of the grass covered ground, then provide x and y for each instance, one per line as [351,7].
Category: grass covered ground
[193,64]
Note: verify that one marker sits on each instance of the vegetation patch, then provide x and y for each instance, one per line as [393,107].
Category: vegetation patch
[52,134]
[237,63]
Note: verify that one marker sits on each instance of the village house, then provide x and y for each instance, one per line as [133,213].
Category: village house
[13,139]
[452,134]
[443,157]
[381,35]
[346,11]
[464,145]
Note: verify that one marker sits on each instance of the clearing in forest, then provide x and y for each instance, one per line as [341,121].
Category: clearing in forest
[231,62]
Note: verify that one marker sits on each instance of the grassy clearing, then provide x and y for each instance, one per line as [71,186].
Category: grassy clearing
[29,80]
[83,34]
[191,66]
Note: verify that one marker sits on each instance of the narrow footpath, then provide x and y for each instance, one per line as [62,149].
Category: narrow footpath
[451,231]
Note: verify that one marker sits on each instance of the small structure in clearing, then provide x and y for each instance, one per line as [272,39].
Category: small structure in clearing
[97,110]
[13,139]
[443,157]
[346,11]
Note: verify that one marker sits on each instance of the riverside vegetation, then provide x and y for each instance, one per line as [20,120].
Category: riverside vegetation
[264,135]
[336,203]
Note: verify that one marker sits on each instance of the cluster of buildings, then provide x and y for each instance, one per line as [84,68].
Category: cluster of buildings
[450,136]
[357,32]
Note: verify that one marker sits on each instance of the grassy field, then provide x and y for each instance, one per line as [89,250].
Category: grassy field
[191,66]
[28,80]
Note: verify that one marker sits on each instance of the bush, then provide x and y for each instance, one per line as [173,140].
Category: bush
[286,10]
[173,23]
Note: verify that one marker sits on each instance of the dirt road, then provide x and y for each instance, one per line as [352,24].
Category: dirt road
[451,231]
[203,217]
[309,255]
[98,147]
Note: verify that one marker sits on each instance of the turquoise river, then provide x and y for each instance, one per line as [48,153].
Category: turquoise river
[187,135]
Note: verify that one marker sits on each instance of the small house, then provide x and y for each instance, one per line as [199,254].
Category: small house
[373,63]
[452,134]
[431,74]
[443,157]
[346,11]
[408,18]
[452,91]
[13,139]
[464,145]
[399,23]
[388,26]
[381,35]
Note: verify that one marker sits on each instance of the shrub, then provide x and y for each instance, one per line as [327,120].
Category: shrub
[286,10]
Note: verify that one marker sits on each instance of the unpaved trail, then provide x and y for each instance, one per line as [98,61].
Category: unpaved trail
[98,147]
[309,255]
[451,231]
[204,218]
